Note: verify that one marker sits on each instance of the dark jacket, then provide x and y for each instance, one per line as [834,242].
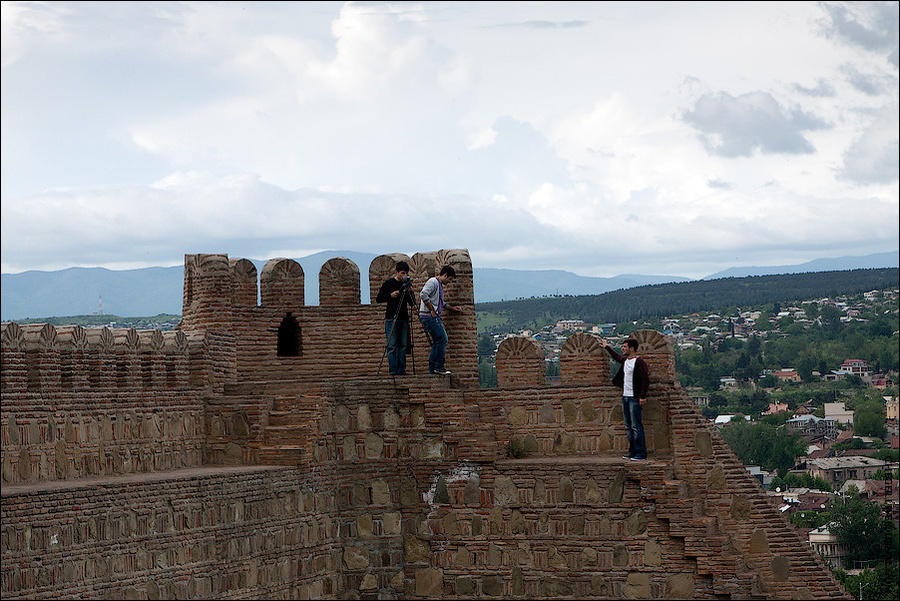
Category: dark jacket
[641,378]
[393,304]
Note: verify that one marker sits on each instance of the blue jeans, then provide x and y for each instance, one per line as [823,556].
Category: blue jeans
[396,332]
[435,328]
[631,411]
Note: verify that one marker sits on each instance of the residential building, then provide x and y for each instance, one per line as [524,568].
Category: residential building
[724,420]
[826,545]
[890,407]
[775,408]
[881,382]
[839,413]
[701,400]
[837,470]
[728,383]
[811,425]
[787,375]
[857,367]
[573,325]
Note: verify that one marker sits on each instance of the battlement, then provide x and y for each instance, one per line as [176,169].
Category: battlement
[280,337]
[47,359]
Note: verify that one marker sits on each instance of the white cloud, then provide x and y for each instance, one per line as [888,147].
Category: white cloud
[601,138]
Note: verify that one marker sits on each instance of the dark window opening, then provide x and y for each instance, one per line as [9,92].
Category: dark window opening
[289,337]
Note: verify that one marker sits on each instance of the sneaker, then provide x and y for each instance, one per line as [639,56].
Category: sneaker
[636,458]
[442,372]
[627,456]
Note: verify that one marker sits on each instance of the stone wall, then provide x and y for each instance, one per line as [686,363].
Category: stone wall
[202,464]
[187,534]
[80,403]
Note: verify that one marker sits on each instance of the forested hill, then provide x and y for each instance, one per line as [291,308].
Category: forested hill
[662,300]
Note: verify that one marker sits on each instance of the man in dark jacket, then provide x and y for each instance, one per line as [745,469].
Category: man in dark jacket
[633,378]
[396,293]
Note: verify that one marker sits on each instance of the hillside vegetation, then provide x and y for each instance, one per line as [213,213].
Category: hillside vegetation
[661,300]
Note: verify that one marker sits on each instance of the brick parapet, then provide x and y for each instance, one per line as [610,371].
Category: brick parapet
[44,359]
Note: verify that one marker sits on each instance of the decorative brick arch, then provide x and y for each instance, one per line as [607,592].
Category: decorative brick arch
[73,343]
[102,367]
[78,339]
[151,340]
[383,267]
[41,337]
[462,290]
[41,344]
[583,361]
[520,363]
[339,283]
[282,284]
[658,352]
[421,267]
[13,338]
[245,282]
[12,342]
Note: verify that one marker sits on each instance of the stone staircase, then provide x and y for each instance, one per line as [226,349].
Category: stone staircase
[703,540]
[292,431]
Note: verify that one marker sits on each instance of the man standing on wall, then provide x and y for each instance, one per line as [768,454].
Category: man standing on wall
[397,294]
[633,378]
[430,308]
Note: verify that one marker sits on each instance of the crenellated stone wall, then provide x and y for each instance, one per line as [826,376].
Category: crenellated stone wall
[211,462]
[80,403]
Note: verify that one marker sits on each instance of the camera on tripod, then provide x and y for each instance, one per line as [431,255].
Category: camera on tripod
[406,282]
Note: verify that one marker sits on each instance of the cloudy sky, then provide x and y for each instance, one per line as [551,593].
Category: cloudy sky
[602,138]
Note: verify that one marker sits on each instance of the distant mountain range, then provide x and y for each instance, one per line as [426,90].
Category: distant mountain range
[876,261]
[155,290]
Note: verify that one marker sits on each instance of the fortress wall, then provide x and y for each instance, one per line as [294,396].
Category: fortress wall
[560,529]
[85,402]
[248,532]
[367,435]
[768,544]
[235,429]
[388,487]
[476,524]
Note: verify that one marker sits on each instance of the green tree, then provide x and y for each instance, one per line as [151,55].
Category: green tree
[831,319]
[858,526]
[486,346]
[809,519]
[763,444]
[891,455]
[878,583]
[551,368]
[804,480]
[487,375]
[869,419]
[805,366]
[768,381]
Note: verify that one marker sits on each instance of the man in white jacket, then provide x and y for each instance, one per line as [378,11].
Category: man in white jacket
[430,308]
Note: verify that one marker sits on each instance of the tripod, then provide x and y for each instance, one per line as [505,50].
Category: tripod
[405,294]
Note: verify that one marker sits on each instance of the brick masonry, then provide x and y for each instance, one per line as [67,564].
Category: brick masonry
[204,463]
